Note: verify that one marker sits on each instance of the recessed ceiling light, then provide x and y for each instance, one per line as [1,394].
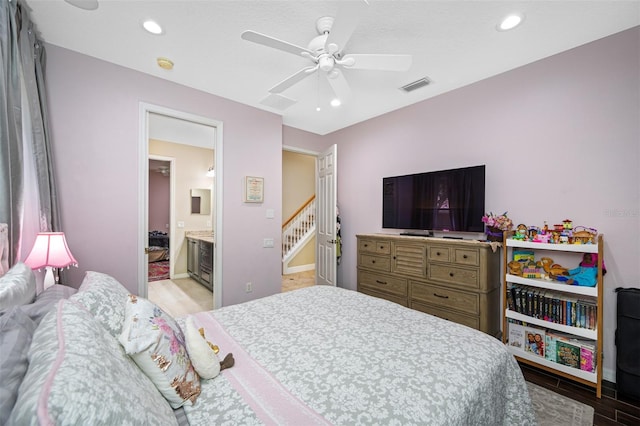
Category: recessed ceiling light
[510,22]
[152,26]
[335,102]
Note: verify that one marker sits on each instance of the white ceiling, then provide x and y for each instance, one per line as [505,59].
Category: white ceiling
[453,43]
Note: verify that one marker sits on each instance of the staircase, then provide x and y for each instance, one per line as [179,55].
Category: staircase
[298,230]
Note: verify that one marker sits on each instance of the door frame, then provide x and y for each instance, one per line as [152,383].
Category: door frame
[143,186]
[172,208]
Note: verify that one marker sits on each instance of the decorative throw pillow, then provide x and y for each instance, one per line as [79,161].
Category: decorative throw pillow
[155,342]
[204,359]
[16,331]
[79,375]
[17,287]
[104,297]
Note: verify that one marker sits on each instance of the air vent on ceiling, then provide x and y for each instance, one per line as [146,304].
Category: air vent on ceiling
[416,84]
[277,101]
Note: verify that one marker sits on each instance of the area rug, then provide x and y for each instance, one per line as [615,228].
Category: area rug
[553,409]
[159,270]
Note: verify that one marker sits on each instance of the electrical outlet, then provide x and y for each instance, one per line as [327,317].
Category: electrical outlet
[268,243]
[249,287]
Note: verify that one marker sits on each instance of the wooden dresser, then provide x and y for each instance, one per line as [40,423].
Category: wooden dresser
[458,280]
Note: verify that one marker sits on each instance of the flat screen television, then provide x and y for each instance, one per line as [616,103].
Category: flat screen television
[444,200]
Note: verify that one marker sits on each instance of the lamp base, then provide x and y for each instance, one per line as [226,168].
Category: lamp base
[48,278]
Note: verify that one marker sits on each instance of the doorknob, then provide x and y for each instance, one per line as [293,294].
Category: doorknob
[332,241]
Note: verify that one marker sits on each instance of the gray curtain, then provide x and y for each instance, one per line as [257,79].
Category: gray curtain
[23,59]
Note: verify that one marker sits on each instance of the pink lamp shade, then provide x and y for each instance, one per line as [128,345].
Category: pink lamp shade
[50,249]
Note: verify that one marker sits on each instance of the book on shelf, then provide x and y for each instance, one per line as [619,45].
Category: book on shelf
[553,306]
[568,354]
[534,340]
[516,335]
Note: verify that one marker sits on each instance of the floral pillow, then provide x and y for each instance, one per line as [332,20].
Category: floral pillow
[155,342]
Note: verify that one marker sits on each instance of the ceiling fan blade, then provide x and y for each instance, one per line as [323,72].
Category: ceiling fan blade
[344,25]
[269,41]
[84,4]
[377,62]
[339,85]
[291,80]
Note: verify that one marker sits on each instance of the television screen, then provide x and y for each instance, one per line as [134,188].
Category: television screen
[445,200]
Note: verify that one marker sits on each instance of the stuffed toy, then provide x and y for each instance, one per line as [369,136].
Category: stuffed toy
[515,268]
[586,274]
[203,354]
[553,270]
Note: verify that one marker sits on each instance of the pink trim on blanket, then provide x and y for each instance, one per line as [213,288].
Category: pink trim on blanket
[269,399]
[43,406]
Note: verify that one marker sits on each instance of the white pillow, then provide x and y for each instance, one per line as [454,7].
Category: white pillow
[202,356]
[17,287]
[155,342]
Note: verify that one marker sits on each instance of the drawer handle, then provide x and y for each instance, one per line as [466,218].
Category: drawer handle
[373,261]
[464,256]
[440,296]
[437,253]
[381,282]
[366,245]
[381,247]
[451,274]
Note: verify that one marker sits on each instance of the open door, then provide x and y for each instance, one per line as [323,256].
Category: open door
[326,201]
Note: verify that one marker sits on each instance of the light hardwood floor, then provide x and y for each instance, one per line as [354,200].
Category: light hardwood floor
[181,296]
[185,296]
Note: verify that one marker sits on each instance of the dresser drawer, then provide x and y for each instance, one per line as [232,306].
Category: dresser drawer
[446,298]
[383,283]
[374,246]
[439,254]
[395,299]
[469,321]
[469,257]
[379,263]
[450,274]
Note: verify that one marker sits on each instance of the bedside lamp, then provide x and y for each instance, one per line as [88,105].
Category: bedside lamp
[50,251]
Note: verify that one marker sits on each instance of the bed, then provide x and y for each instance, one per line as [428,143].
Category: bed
[158,246]
[319,355]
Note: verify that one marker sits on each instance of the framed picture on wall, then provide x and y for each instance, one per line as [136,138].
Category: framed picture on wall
[253,189]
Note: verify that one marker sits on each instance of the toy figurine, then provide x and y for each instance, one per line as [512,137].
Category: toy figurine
[586,274]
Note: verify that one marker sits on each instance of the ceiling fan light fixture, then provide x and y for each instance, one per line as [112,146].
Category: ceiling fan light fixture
[152,26]
[326,63]
[510,22]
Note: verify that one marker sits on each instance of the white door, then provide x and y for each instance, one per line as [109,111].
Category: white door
[326,261]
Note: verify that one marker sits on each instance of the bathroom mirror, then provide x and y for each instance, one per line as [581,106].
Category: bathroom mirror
[200,201]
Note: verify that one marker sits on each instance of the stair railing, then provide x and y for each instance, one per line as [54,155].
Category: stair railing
[301,222]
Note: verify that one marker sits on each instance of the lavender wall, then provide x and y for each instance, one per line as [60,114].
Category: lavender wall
[94,119]
[560,138]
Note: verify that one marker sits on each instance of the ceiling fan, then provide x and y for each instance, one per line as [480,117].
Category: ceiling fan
[326,51]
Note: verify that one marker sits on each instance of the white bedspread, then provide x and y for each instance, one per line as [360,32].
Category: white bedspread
[347,359]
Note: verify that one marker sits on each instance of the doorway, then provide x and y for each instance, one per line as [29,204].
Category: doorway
[159,123]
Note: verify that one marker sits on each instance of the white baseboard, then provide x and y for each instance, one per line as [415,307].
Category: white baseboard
[300,268]
[179,276]
[609,375]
